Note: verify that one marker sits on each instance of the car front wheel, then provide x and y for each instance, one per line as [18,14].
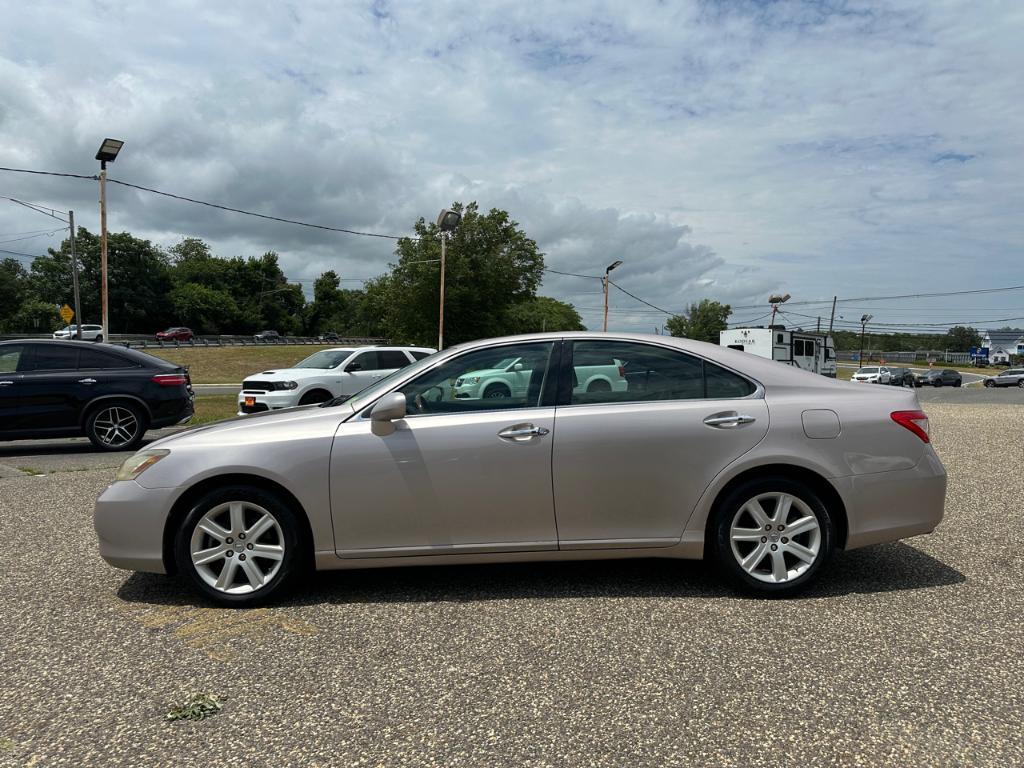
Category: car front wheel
[118,426]
[989,384]
[239,546]
[771,536]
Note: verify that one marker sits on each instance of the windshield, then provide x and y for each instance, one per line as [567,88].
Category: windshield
[868,370]
[505,363]
[328,358]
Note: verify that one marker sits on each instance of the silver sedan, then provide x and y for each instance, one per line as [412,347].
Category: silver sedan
[763,468]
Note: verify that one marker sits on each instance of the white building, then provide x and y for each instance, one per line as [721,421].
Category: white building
[1002,344]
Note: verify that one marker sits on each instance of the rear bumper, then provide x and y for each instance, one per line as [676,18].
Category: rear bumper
[129,521]
[888,506]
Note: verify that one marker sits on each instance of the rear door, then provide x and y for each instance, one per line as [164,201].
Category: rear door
[630,465]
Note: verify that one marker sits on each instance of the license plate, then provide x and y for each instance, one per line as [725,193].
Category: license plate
[250,402]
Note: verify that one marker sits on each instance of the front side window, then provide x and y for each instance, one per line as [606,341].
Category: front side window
[9,357]
[364,361]
[627,372]
[476,381]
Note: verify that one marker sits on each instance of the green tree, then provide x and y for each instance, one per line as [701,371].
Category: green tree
[204,309]
[703,321]
[491,266]
[961,338]
[14,289]
[542,313]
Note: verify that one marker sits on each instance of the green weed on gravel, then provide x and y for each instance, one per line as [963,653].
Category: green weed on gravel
[198,706]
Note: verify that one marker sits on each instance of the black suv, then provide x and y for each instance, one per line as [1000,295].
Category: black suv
[110,394]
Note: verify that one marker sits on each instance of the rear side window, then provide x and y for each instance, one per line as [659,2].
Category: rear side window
[9,357]
[91,359]
[387,359]
[723,384]
[54,358]
[417,355]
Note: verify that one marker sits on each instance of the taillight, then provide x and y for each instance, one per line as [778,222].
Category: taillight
[622,371]
[915,421]
[170,379]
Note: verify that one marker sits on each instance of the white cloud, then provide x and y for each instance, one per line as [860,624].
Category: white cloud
[718,149]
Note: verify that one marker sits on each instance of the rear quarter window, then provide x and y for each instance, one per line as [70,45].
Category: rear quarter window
[722,384]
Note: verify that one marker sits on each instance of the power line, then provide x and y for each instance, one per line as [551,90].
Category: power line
[902,296]
[46,211]
[573,274]
[642,301]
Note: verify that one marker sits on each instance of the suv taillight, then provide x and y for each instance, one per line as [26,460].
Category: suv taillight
[915,421]
[170,379]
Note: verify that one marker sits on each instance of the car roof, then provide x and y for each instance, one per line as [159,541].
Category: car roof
[141,358]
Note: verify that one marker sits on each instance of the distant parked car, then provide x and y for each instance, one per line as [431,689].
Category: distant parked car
[175,334]
[266,336]
[324,375]
[109,394]
[942,378]
[1012,377]
[902,377]
[89,333]
[328,337]
[873,374]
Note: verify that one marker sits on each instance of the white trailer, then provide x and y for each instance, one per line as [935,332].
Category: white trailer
[809,350]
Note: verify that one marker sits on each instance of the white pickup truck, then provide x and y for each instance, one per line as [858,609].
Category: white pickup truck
[508,378]
[324,375]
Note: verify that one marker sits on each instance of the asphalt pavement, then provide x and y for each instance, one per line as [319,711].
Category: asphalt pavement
[904,654]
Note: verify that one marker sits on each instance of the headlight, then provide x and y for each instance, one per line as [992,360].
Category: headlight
[286,385]
[138,463]
[467,380]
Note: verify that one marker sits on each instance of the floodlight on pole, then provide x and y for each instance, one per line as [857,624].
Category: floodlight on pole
[610,267]
[107,153]
[447,222]
[864,320]
[775,299]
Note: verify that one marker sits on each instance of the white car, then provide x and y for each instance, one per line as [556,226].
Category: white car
[89,332]
[873,375]
[508,378]
[330,373]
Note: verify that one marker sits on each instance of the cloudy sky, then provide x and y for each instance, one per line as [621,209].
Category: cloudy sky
[719,149]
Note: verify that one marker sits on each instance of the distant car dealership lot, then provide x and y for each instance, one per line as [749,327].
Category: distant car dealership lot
[654,661]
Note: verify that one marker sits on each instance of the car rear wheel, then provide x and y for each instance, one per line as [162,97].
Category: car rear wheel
[117,426]
[99,338]
[239,546]
[771,536]
[599,386]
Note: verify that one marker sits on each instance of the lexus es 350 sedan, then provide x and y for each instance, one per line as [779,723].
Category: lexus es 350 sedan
[705,452]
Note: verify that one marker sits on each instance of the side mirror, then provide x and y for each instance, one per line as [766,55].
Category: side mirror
[354,367]
[389,408]
[517,367]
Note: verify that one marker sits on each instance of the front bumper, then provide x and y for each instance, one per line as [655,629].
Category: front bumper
[266,401]
[129,521]
[888,506]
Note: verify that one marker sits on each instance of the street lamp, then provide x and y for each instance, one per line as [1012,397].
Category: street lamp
[863,324]
[610,267]
[447,221]
[775,300]
[107,153]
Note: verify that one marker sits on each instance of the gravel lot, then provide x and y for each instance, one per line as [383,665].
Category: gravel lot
[906,654]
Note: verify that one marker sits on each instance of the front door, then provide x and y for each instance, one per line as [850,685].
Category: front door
[456,475]
[630,464]
[10,384]
[52,393]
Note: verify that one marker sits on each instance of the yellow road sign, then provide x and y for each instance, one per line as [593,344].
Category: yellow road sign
[66,313]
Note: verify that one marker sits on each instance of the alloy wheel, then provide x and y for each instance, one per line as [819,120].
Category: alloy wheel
[237,547]
[775,537]
[116,426]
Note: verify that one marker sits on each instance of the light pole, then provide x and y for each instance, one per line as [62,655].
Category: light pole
[74,277]
[447,221]
[775,300]
[107,153]
[611,266]
[863,324]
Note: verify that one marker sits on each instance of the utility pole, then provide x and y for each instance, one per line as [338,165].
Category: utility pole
[819,324]
[605,281]
[440,319]
[103,251]
[863,325]
[833,318]
[74,277]
[447,221]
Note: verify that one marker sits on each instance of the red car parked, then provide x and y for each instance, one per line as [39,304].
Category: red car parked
[175,334]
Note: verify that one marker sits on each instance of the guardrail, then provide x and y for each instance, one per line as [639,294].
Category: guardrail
[139,341]
[909,356]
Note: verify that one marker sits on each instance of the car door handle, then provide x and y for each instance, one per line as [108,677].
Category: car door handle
[728,421]
[522,432]
[87,381]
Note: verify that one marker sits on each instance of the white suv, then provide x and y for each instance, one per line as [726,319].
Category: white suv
[336,372]
[89,332]
[508,377]
[873,375]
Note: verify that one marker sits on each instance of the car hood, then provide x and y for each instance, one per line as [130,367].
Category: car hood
[290,374]
[246,427]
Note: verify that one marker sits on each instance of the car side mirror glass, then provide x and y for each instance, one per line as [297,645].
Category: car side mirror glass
[517,367]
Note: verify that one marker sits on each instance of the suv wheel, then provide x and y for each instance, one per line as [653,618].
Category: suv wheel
[497,391]
[99,337]
[239,546]
[771,536]
[116,426]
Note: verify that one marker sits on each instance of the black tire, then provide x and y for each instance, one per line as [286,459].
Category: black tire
[958,383]
[991,384]
[116,425]
[497,391]
[294,562]
[99,338]
[1020,383]
[938,382]
[315,396]
[599,385]
[721,547]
